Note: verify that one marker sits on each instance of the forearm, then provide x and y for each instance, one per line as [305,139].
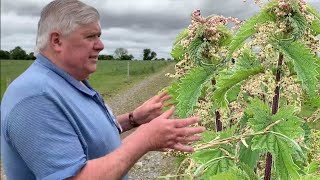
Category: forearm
[116,164]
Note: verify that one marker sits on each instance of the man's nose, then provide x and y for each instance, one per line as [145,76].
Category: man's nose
[99,45]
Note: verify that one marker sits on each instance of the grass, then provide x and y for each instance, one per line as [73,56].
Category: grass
[110,78]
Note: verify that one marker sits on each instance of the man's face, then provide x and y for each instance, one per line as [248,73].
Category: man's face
[81,49]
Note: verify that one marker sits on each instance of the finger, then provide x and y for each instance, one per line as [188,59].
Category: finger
[190,131]
[181,147]
[166,98]
[157,106]
[164,93]
[164,149]
[168,104]
[189,139]
[179,123]
[167,114]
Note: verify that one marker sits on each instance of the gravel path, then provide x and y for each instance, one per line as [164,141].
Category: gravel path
[153,164]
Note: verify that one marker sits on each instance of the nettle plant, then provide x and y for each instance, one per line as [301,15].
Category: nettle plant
[256,90]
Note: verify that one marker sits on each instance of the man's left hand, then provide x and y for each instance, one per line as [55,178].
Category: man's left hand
[152,108]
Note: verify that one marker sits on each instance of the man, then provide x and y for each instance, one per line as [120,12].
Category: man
[55,126]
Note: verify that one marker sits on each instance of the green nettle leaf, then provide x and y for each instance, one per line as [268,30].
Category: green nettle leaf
[183,34]
[261,115]
[315,27]
[284,164]
[248,156]
[290,124]
[178,51]
[213,161]
[304,64]
[284,126]
[224,176]
[299,24]
[195,49]
[313,11]
[249,171]
[246,66]
[248,28]
[172,90]
[233,174]
[226,36]
[190,89]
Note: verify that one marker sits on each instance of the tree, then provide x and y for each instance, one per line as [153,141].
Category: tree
[105,57]
[119,53]
[148,54]
[31,56]
[18,53]
[4,54]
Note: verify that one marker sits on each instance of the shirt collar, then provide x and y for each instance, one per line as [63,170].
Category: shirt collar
[41,59]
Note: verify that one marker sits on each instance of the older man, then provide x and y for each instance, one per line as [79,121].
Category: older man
[56,126]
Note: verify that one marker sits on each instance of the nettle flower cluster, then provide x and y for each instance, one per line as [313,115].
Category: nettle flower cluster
[211,34]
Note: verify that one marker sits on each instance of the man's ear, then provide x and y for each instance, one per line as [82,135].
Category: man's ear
[55,41]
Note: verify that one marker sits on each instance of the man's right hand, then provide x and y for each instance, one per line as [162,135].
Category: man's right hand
[163,132]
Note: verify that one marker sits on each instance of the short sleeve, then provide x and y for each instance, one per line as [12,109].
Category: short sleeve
[40,132]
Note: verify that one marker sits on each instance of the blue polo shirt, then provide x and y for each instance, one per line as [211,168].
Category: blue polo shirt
[52,124]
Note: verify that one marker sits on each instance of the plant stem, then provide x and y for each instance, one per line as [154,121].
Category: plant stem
[218,122]
[275,107]
[217,114]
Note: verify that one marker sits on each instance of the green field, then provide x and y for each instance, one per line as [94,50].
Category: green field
[110,78]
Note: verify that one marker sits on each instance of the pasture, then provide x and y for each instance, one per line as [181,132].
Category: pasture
[110,78]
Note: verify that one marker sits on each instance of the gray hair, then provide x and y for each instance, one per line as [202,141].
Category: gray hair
[63,16]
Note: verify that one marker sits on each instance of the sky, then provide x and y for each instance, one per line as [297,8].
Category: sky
[131,24]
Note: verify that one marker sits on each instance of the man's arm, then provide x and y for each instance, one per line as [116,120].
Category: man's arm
[160,133]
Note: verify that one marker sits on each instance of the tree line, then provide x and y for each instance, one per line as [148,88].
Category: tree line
[119,54]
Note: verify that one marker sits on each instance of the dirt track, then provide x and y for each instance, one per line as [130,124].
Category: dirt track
[153,164]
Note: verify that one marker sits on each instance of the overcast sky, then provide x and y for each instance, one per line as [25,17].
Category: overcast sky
[131,24]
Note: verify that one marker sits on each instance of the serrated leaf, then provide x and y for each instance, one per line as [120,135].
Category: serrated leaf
[261,115]
[233,173]
[226,36]
[312,167]
[315,27]
[290,124]
[313,11]
[246,66]
[178,50]
[190,89]
[183,34]
[284,164]
[304,64]
[172,90]
[195,49]
[224,176]
[248,156]
[248,28]
[208,136]
[249,171]
[299,24]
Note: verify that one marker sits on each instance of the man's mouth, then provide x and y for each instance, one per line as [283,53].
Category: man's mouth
[93,57]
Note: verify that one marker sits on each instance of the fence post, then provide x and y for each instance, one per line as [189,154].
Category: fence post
[128,71]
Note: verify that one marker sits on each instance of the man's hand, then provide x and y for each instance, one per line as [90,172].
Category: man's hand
[151,109]
[163,132]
